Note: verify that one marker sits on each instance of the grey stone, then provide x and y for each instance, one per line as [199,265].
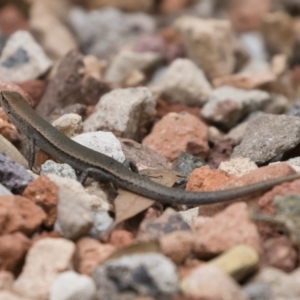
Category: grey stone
[72,286]
[150,274]
[185,83]
[102,221]
[104,31]
[124,112]
[186,163]
[63,170]
[127,61]
[12,175]
[4,191]
[267,136]
[22,58]
[258,291]
[74,218]
[227,105]
[69,124]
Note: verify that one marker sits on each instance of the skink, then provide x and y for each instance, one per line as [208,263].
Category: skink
[104,168]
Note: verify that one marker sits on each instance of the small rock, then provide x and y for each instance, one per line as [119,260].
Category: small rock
[246,80]
[184,83]
[143,156]
[8,295]
[280,253]
[177,245]
[4,191]
[168,222]
[71,286]
[186,163]
[22,58]
[19,214]
[13,248]
[34,88]
[62,170]
[6,280]
[12,175]
[204,179]
[238,262]
[214,135]
[12,20]
[267,136]
[176,133]
[209,43]
[127,5]
[189,215]
[279,33]
[171,6]
[208,282]
[121,238]
[90,253]
[238,166]
[126,61]
[45,260]
[8,130]
[227,105]
[43,192]
[79,222]
[247,15]
[282,285]
[125,112]
[103,142]
[225,230]
[48,22]
[149,274]
[69,124]
[258,291]
[101,222]
[93,198]
[104,32]
[237,133]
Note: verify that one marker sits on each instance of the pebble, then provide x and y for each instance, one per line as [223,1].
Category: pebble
[22,58]
[189,215]
[62,170]
[35,88]
[12,175]
[103,142]
[121,238]
[127,5]
[9,295]
[267,136]
[4,191]
[6,280]
[239,262]
[168,222]
[208,43]
[186,163]
[176,133]
[43,192]
[226,229]
[70,285]
[184,83]
[69,124]
[227,105]
[116,112]
[76,224]
[238,166]
[126,61]
[102,222]
[210,283]
[45,260]
[90,253]
[20,214]
[93,198]
[150,274]
[13,248]
[103,32]
[48,21]
[10,150]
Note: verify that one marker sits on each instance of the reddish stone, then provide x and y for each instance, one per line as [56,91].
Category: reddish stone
[13,248]
[121,238]
[34,88]
[12,20]
[205,179]
[7,129]
[19,214]
[280,253]
[177,245]
[175,133]
[90,253]
[173,6]
[43,192]
[226,229]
